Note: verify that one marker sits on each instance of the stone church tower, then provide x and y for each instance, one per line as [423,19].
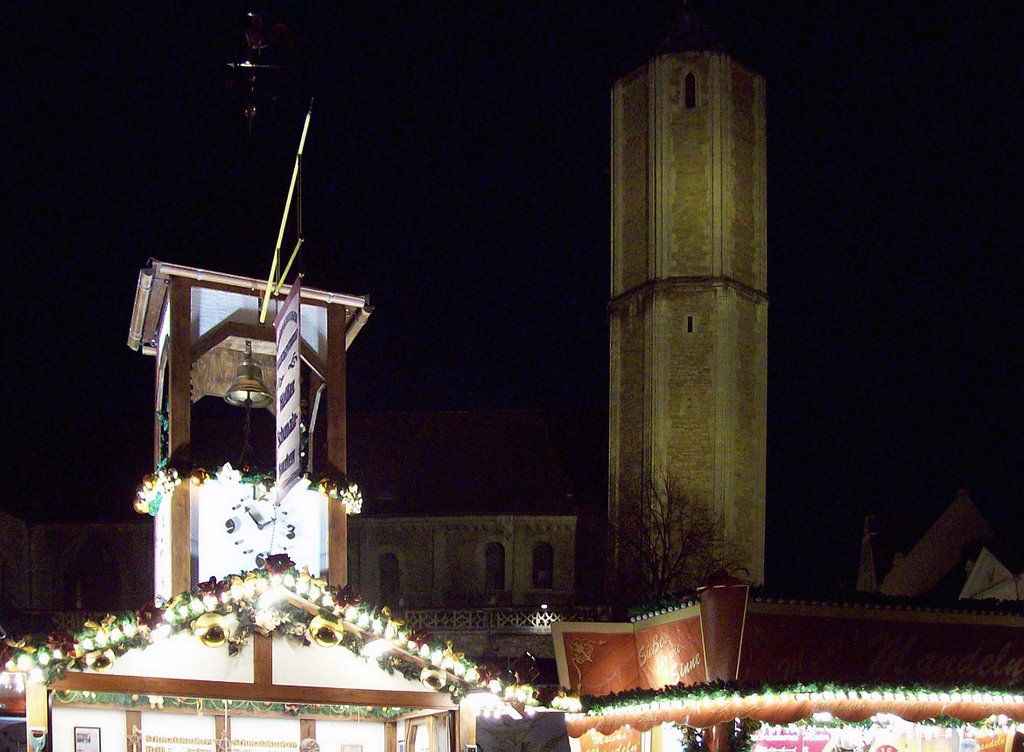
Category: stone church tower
[689,305]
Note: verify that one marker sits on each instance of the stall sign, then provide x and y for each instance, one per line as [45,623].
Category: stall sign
[624,740]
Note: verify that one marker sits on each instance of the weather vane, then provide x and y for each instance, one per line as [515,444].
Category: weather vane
[266,54]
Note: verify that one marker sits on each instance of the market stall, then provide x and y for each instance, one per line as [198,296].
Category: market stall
[727,669]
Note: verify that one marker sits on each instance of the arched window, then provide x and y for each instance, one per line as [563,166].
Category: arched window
[494,567]
[690,92]
[390,578]
[543,566]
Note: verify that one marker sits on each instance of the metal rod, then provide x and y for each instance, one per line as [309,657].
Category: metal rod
[288,266]
[273,281]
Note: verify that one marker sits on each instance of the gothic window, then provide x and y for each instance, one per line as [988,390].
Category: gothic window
[543,561]
[494,567]
[390,579]
[690,91]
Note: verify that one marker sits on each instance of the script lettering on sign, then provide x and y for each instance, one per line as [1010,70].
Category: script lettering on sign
[671,653]
[622,740]
[287,328]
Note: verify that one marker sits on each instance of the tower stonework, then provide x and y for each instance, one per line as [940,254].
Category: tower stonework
[689,307]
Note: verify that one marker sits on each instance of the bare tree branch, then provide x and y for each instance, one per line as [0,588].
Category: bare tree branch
[667,540]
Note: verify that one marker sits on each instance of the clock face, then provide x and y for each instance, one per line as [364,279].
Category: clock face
[240,524]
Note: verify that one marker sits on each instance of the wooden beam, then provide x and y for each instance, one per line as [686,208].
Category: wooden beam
[181,538]
[337,450]
[220,690]
[307,729]
[467,729]
[337,454]
[263,660]
[133,726]
[158,404]
[13,705]
[37,706]
[180,362]
[337,543]
[221,727]
[230,328]
[391,736]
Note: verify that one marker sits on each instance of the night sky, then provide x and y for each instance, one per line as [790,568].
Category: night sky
[457,171]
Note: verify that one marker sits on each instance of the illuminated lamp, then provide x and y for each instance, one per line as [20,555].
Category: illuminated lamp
[376,648]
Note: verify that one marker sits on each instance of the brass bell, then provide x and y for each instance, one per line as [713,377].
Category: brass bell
[100,660]
[324,632]
[248,389]
[433,678]
[213,630]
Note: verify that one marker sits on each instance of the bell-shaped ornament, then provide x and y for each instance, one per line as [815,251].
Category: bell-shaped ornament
[213,630]
[324,632]
[100,660]
[433,678]
[248,389]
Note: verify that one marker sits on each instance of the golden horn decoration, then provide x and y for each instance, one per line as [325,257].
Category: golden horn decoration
[433,678]
[100,660]
[211,629]
[324,632]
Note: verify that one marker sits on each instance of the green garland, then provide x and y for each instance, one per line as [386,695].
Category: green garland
[231,606]
[159,485]
[201,705]
[736,690]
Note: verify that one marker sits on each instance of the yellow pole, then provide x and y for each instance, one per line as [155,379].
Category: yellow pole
[288,266]
[273,281]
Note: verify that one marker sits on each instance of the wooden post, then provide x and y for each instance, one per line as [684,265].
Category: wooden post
[657,738]
[391,736]
[181,539]
[37,715]
[467,727]
[221,728]
[133,730]
[336,388]
[431,735]
[263,660]
[307,730]
[337,520]
[158,387]
[179,397]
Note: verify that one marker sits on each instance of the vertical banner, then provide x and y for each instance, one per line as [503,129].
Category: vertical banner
[286,325]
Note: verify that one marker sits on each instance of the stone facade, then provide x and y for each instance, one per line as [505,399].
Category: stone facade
[465,560]
[69,567]
[689,307]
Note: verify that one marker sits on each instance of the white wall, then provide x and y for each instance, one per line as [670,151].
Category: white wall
[110,722]
[333,735]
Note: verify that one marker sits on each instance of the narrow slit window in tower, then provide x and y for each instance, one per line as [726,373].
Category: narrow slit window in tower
[689,324]
[690,95]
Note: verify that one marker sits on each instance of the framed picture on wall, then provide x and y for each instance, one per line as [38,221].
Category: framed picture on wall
[401,745]
[87,739]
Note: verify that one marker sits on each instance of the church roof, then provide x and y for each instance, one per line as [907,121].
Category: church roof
[478,461]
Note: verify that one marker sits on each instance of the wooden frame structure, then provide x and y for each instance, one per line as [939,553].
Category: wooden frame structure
[196,323]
